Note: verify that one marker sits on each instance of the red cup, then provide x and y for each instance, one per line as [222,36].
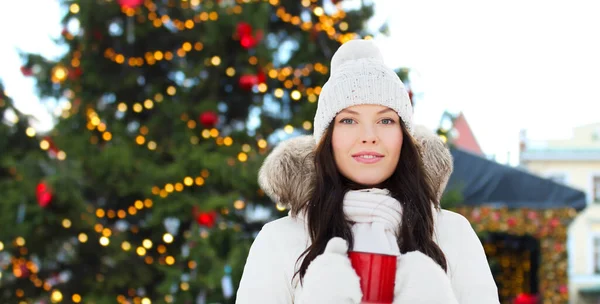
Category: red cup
[377,274]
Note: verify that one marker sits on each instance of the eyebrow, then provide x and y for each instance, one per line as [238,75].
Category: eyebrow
[356,113]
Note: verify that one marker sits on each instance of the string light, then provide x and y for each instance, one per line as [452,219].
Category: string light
[74,8]
[30,132]
[278,93]
[325,24]
[106,232]
[126,246]
[59,74]
[288,129]
[307,125]
[56,296]
[104,241]
[44,144]
[239,204]
[66,223]
[76,298]
[283,73]
[20,241]
[168,238]
[296,95]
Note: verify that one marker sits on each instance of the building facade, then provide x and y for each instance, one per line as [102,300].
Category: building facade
[574,162]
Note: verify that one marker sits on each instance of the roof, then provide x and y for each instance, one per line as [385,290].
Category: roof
[485,182]
[466,139]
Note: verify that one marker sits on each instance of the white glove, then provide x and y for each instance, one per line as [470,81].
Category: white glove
[330,277]
[420,280]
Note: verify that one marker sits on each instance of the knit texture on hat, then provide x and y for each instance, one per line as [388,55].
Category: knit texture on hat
[359,76]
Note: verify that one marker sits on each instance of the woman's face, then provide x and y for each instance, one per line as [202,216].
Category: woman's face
[366,141]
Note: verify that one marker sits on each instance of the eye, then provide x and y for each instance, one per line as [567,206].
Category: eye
[347,121]
[387,121]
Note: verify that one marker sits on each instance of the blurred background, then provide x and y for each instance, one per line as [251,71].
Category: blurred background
[132,132]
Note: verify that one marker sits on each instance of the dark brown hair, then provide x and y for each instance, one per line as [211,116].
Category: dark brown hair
[408,184]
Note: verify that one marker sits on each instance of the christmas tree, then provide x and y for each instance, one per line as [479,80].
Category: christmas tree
[145,190]
[22,168]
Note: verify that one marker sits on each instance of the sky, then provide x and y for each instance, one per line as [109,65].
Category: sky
[507,65]
[31,34]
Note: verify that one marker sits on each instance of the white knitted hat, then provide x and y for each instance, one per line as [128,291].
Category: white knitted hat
[359,76]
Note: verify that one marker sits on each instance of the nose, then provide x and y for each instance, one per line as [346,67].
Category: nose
[368,136]
[370,140]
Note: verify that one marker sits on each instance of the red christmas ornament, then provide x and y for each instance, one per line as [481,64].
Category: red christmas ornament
[244,29]
[248,42]
[130,3]
[26,71]
[209,119]
[64,32]
[525,298]
[261,77]
[563,289]
[44,195]
[53,151]
[207,219]
[75,73]
[248,81]
[511,222]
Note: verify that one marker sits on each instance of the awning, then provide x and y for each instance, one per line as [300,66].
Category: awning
[485,182]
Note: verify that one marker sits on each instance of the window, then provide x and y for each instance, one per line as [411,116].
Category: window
[596,189]
[596,134]
[597,255]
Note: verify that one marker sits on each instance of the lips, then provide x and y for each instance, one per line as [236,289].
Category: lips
[367,157]
[367,153]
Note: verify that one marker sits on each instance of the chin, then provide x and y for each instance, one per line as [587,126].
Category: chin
[369,182]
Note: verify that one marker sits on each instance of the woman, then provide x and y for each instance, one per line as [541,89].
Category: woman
[364,187]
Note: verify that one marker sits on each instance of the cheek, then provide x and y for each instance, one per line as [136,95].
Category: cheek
[341,143]
[394,141]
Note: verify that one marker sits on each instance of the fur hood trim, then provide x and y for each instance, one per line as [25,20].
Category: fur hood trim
[287,174]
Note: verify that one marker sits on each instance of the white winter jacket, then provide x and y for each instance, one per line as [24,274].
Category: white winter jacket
[271,263]
[285,176]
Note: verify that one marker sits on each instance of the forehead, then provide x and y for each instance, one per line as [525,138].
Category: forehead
[367,110]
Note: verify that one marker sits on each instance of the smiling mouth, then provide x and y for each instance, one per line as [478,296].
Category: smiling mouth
[367,159]
[367,156]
